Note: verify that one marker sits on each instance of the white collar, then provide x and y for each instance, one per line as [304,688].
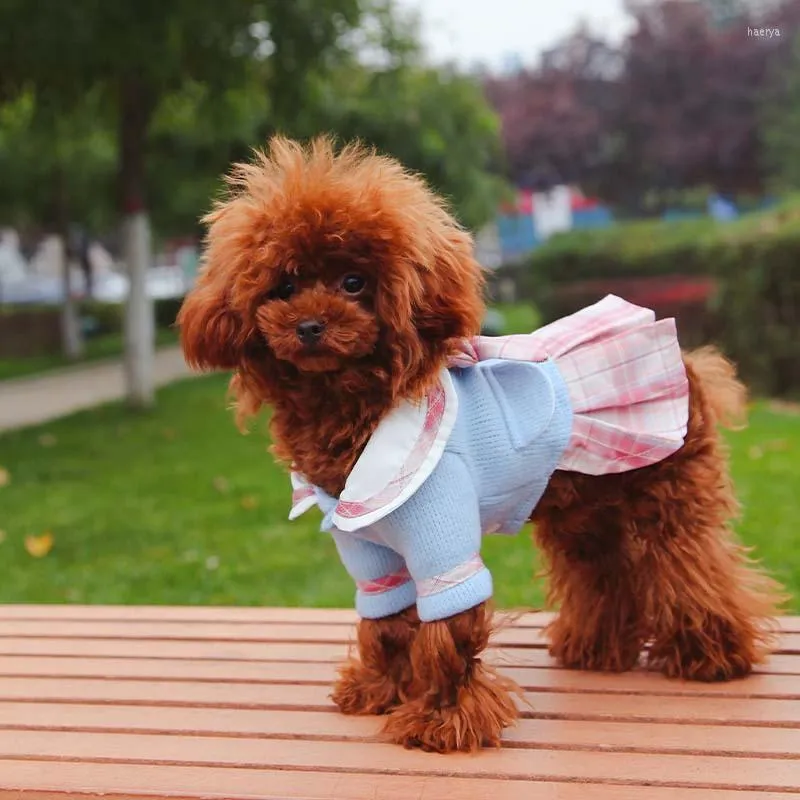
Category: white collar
[398,458]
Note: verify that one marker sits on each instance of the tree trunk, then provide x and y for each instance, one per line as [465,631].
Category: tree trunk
[71,335]
[72,345]
[135,110]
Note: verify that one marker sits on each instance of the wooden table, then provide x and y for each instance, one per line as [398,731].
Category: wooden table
[233,703]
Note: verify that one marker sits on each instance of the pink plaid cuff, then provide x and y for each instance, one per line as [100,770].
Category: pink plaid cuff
[385,583]
[459,574]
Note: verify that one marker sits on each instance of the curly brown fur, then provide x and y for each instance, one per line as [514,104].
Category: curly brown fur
[334,285]
[648,556]
[456,703]
[313,216]
[379,678]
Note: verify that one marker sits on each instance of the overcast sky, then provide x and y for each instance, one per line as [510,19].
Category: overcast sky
[493,31]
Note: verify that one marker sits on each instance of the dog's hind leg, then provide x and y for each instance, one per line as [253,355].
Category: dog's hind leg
[590,564]
[711,609]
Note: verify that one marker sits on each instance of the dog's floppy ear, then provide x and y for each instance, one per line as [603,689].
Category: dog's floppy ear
[451,304]
[212,334]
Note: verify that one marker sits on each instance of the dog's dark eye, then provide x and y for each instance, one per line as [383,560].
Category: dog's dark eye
[353,284]
[284,290]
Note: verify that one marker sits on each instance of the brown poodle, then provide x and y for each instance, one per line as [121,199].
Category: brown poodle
[336,287]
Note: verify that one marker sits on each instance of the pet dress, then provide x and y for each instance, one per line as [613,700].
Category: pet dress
[601,391]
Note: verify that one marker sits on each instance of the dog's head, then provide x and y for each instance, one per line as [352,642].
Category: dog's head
[320,263]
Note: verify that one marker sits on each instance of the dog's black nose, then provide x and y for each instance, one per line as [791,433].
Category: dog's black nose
[309,332]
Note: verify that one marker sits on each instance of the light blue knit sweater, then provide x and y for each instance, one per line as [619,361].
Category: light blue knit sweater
[513,424]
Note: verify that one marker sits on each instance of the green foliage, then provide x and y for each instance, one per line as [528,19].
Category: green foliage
[518,317]
[754,262]
[781,123]
[140,513]
[55,164]
[66,48]
[131,56]
[647,247]
[209,83]
[436,122]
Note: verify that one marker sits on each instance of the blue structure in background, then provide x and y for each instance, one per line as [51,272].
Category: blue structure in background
[516,228]
[721,208]
[595,217]
[517,235]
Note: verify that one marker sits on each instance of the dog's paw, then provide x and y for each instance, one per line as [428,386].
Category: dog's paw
[716,653]
[484,707]
[441,730]
[587,651]
[359,690]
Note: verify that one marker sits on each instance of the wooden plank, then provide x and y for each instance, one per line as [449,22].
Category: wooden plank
[324,673]
[49,780]
[274,651]
[166,650]
[607,736]
[229,615]
[179,631]
[235,614]
[188,614]
[721,772]
[700,709]
[255,632]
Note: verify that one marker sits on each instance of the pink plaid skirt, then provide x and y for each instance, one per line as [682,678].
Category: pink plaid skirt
[625,377]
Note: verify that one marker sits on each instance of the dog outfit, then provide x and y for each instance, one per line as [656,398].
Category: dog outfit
[601,391]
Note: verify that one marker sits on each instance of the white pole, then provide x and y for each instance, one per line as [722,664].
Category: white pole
[71,335]
[139,316]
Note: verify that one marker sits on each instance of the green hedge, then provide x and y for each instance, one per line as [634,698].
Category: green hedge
[108,317]
[627,249]
[753,311]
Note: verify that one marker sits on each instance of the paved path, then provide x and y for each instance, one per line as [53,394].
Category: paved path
[28,401]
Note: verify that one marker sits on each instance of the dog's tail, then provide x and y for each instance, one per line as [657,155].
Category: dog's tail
[725,393]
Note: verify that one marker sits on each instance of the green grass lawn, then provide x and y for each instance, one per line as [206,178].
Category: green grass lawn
[518,317]
[175,506]
[106,346]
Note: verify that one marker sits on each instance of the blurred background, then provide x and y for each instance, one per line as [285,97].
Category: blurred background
[648,148]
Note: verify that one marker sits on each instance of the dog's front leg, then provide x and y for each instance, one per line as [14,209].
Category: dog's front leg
[377,679]
[456,702]
[374,680]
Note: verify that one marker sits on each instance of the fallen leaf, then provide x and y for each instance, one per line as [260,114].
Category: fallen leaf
[39,546]
[777,445]
[755,452]
[2,536]
[221,484]
[249,502]
[5,477]
[212,562]
[47,440]
[784,407]
[169,433]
